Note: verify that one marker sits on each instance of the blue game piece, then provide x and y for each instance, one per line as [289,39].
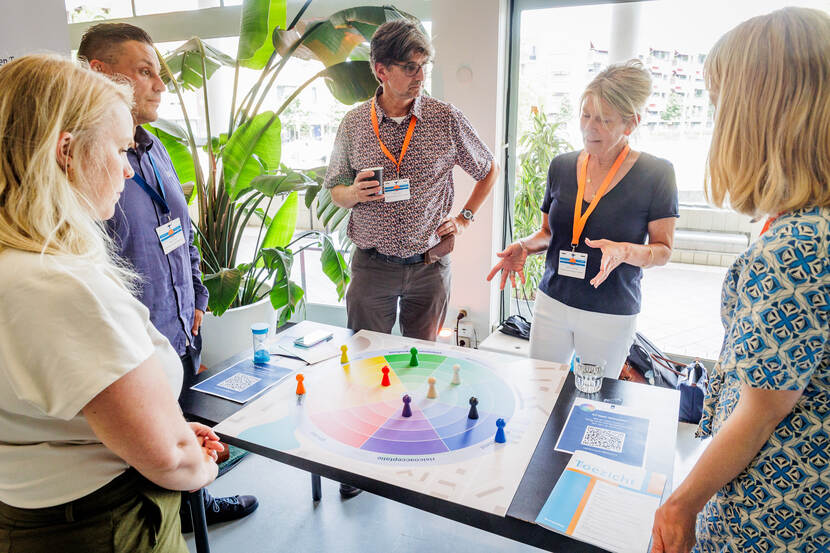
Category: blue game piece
[500,438]
[473,411]
[407,412]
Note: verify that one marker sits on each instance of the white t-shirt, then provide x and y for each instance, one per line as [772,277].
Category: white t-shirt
[67,331]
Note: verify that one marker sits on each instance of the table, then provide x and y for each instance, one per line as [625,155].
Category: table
[543,470]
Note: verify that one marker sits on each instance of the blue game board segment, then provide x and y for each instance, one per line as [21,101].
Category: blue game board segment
[458,432]
[277,435]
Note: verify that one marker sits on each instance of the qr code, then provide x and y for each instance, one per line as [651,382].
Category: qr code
[238,382]
[602,438]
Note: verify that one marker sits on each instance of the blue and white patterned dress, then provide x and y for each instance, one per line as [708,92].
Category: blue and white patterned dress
[775,308]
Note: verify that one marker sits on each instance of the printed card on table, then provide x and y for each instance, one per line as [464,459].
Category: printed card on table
[605,503]
[605,429]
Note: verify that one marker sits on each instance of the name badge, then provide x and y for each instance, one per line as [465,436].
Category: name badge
[170,235]
[572,264]
[396,190]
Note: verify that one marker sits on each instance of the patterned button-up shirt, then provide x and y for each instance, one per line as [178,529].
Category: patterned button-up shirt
[171,285]
[443,138]
[775,308]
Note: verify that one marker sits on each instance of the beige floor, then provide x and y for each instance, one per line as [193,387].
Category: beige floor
[681,309]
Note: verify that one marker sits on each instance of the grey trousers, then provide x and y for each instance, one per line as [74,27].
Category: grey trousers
[378,285]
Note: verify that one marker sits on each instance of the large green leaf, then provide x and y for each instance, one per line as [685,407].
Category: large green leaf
[179,153]
[251,145]
[185,62]
[223,288]
[259,19]
[282,226]
[287,294]
[350,81]
[333,40]
[272,185]
[334,266]
[278,261]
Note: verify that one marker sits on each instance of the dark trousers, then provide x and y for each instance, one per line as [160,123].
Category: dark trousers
[128,515]
[378,285]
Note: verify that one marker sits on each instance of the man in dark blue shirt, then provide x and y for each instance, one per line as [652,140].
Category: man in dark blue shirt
[151,227]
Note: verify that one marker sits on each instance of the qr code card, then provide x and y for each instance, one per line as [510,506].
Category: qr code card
[238,382]
[603,438]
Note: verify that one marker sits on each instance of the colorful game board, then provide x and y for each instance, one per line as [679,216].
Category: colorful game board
[348,420]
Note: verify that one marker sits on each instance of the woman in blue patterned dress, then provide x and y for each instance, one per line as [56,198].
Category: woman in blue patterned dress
[762,484]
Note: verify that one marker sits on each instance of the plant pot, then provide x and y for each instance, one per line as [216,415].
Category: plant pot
[225,336]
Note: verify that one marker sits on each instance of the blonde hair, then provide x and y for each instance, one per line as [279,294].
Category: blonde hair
[625,86]
[42,208]
[770,80]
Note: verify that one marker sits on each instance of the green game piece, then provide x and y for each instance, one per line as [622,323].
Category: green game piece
[413,361]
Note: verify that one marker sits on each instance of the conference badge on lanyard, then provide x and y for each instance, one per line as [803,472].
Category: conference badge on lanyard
[170,235]
[398,189]
[572,263]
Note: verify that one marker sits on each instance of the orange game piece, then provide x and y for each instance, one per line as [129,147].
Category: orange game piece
[300,387]
[385,381]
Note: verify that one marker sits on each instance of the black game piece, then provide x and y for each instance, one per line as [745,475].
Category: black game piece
[473,411]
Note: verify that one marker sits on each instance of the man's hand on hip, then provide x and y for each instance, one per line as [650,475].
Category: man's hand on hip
[453,225]
[197,321]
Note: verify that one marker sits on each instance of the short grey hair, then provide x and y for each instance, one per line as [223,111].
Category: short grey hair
[396,41]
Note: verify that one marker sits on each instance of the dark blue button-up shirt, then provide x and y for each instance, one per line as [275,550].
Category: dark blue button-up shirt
[171,285]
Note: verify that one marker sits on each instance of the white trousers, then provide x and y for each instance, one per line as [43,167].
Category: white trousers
[559,330]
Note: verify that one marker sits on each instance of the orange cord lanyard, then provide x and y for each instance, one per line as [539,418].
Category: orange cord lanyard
[769,223]
[409,132]
[581,177]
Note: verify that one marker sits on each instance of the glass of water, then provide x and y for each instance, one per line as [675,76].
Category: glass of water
[588,376]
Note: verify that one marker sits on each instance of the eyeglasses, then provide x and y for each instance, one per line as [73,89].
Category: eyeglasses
[410,69]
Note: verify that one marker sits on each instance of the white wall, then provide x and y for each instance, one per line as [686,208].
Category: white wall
[470,43]
[32,26]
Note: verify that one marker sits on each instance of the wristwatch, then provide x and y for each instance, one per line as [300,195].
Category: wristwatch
[467,214]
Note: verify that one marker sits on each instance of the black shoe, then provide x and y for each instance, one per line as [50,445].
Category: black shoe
[347,491]
[222,509]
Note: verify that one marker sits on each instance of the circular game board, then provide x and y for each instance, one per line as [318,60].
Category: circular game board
[354,412]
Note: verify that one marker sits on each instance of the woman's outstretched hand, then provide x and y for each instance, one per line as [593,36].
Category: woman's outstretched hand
[614,254]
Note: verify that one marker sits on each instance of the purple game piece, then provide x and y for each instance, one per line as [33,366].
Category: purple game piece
[407,411]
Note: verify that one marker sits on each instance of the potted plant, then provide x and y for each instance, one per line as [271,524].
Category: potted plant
[244,176]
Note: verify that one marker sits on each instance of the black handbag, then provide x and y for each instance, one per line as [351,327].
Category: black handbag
[648,365]
[517,326]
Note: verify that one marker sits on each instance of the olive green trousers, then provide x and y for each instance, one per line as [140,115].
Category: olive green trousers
[128,515]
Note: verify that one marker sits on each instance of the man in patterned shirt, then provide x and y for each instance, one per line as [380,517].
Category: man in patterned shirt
[417,140]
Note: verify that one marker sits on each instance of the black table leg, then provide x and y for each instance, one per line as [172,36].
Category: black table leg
[196,503]
[316,487]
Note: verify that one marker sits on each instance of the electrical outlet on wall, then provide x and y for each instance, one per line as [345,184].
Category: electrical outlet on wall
[466,334]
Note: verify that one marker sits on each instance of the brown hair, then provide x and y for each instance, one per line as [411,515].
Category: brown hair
[769,78]
[396,41]
[100,41]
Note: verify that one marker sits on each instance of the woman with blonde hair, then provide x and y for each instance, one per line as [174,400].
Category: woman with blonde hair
[91,436]
[761,484]
[600,206]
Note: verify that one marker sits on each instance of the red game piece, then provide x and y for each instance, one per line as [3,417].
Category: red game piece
[385,381]
[300,387]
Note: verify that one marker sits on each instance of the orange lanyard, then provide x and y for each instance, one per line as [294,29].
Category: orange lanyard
[581,177]
[769,223]
[406,139]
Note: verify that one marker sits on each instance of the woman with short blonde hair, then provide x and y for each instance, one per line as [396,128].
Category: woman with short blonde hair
[91,435]
[758,485]
[626,201]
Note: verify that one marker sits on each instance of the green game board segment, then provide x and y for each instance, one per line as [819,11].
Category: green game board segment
[400,361]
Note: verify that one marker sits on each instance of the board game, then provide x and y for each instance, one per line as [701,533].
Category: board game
[352,416]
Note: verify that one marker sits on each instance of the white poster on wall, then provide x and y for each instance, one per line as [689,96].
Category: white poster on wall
[32,26]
